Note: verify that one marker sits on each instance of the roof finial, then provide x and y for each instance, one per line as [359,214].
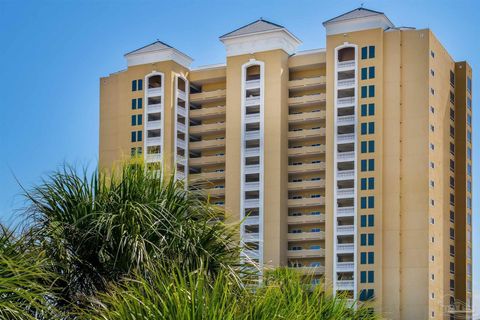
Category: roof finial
[361,5]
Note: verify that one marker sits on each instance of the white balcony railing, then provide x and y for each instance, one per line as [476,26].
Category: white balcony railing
[345,230]
[345,212]
[251,220]
[181,127]
[253,168]
[251,203]
[152,125]
[252,84]
[345,193]
[345,120]
[346,156]
[344,102]
[182,95]
[252,101]
[252,186]
[350,64]
[252,152]
[252,135]
[345,267]
[251,237]
[345,175]
[252,118]
[346,83]
[181,111]
[347,138]
[345,284]
[345,247]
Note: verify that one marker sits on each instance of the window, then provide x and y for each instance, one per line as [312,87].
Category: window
[432,146]
[469,170]
[371,164]
[134,136]
[367,202]
[364,91]
[469,153]
[452,78]
[432,53]
[133,151]
[371,91]
[367,258]
[432,91]
[368,128]
[134,120]
[368,91]
[371,257]
[366,294]
[139,103]
[469,120]
[452,97]
[452,131]
[368,73]
[140,84]
[371,239]
[368,109]
[432,72]
[452,182]
[452,250]
[371,202]
[371,146]
[469,186]
[371,220]
[363,277]
[469,136]
[365,53]
[452,148]
[364,73]
[134,85]
[452,165]
[452,267]
[452,284]
[452,114]
[432,109]
[134,104]
[469,84]
[469,103]
[371,52]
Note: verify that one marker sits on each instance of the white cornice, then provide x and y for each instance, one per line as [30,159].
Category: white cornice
[358,24]
[169,54]
[262,41]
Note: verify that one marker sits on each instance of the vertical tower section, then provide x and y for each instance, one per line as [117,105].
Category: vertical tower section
[257,141]
[252,160]
[344,168]
[154,118]
[181,128]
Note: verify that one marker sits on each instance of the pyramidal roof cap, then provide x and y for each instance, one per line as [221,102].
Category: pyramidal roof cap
[154,46]
[356,20]
[155,52]
[260,25]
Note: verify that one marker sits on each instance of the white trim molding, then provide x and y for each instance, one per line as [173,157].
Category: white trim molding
[184,96]
[243,155]
[336,215]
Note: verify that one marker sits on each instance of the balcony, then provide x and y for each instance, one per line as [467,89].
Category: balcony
[251,186]
[306,184]
[310,99]
[206,161]
[251,254]
[251,203]
[345,193]
[154,108]
[345,65]
[252,135]
[306,150]
[208,96]
[345,102]
[346,83]
[251,237]
[345,230]
[306,202]
[180,159]
[207,113]
[345,175]
[152,125]
[206,176]
[306,236]
[181,111]
[345,284]
[181,143]
[306,167]
[206,145]
[154,92]
[306,134]
[345,120]
[252,168]
[154,157]
[211,128]
[346,138]
[182,95]
[315,271]
[252,118]
[307,83]
[346,156]
[312,116]
[345,266]
[215,192]
[251,152]
[345,248]
[304,219]
[156,141]
[251,221]
[181,127]
[252,101]
[345,212]
[305,253]
[252,84]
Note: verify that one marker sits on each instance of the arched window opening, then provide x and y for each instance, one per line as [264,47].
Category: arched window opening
[346,54]
[155,82]
[181,84]
[253,73]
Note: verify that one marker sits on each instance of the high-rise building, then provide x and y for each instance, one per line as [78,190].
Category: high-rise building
[352,162]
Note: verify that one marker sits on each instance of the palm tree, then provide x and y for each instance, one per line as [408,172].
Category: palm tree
[284,294]
[101,227]
[24,282]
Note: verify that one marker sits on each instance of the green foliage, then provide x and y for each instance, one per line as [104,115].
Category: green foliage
[283,294]
[132,245]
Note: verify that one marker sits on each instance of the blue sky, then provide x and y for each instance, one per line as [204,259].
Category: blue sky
[53,53]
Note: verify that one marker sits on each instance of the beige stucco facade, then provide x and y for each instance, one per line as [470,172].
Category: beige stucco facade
[351,163]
